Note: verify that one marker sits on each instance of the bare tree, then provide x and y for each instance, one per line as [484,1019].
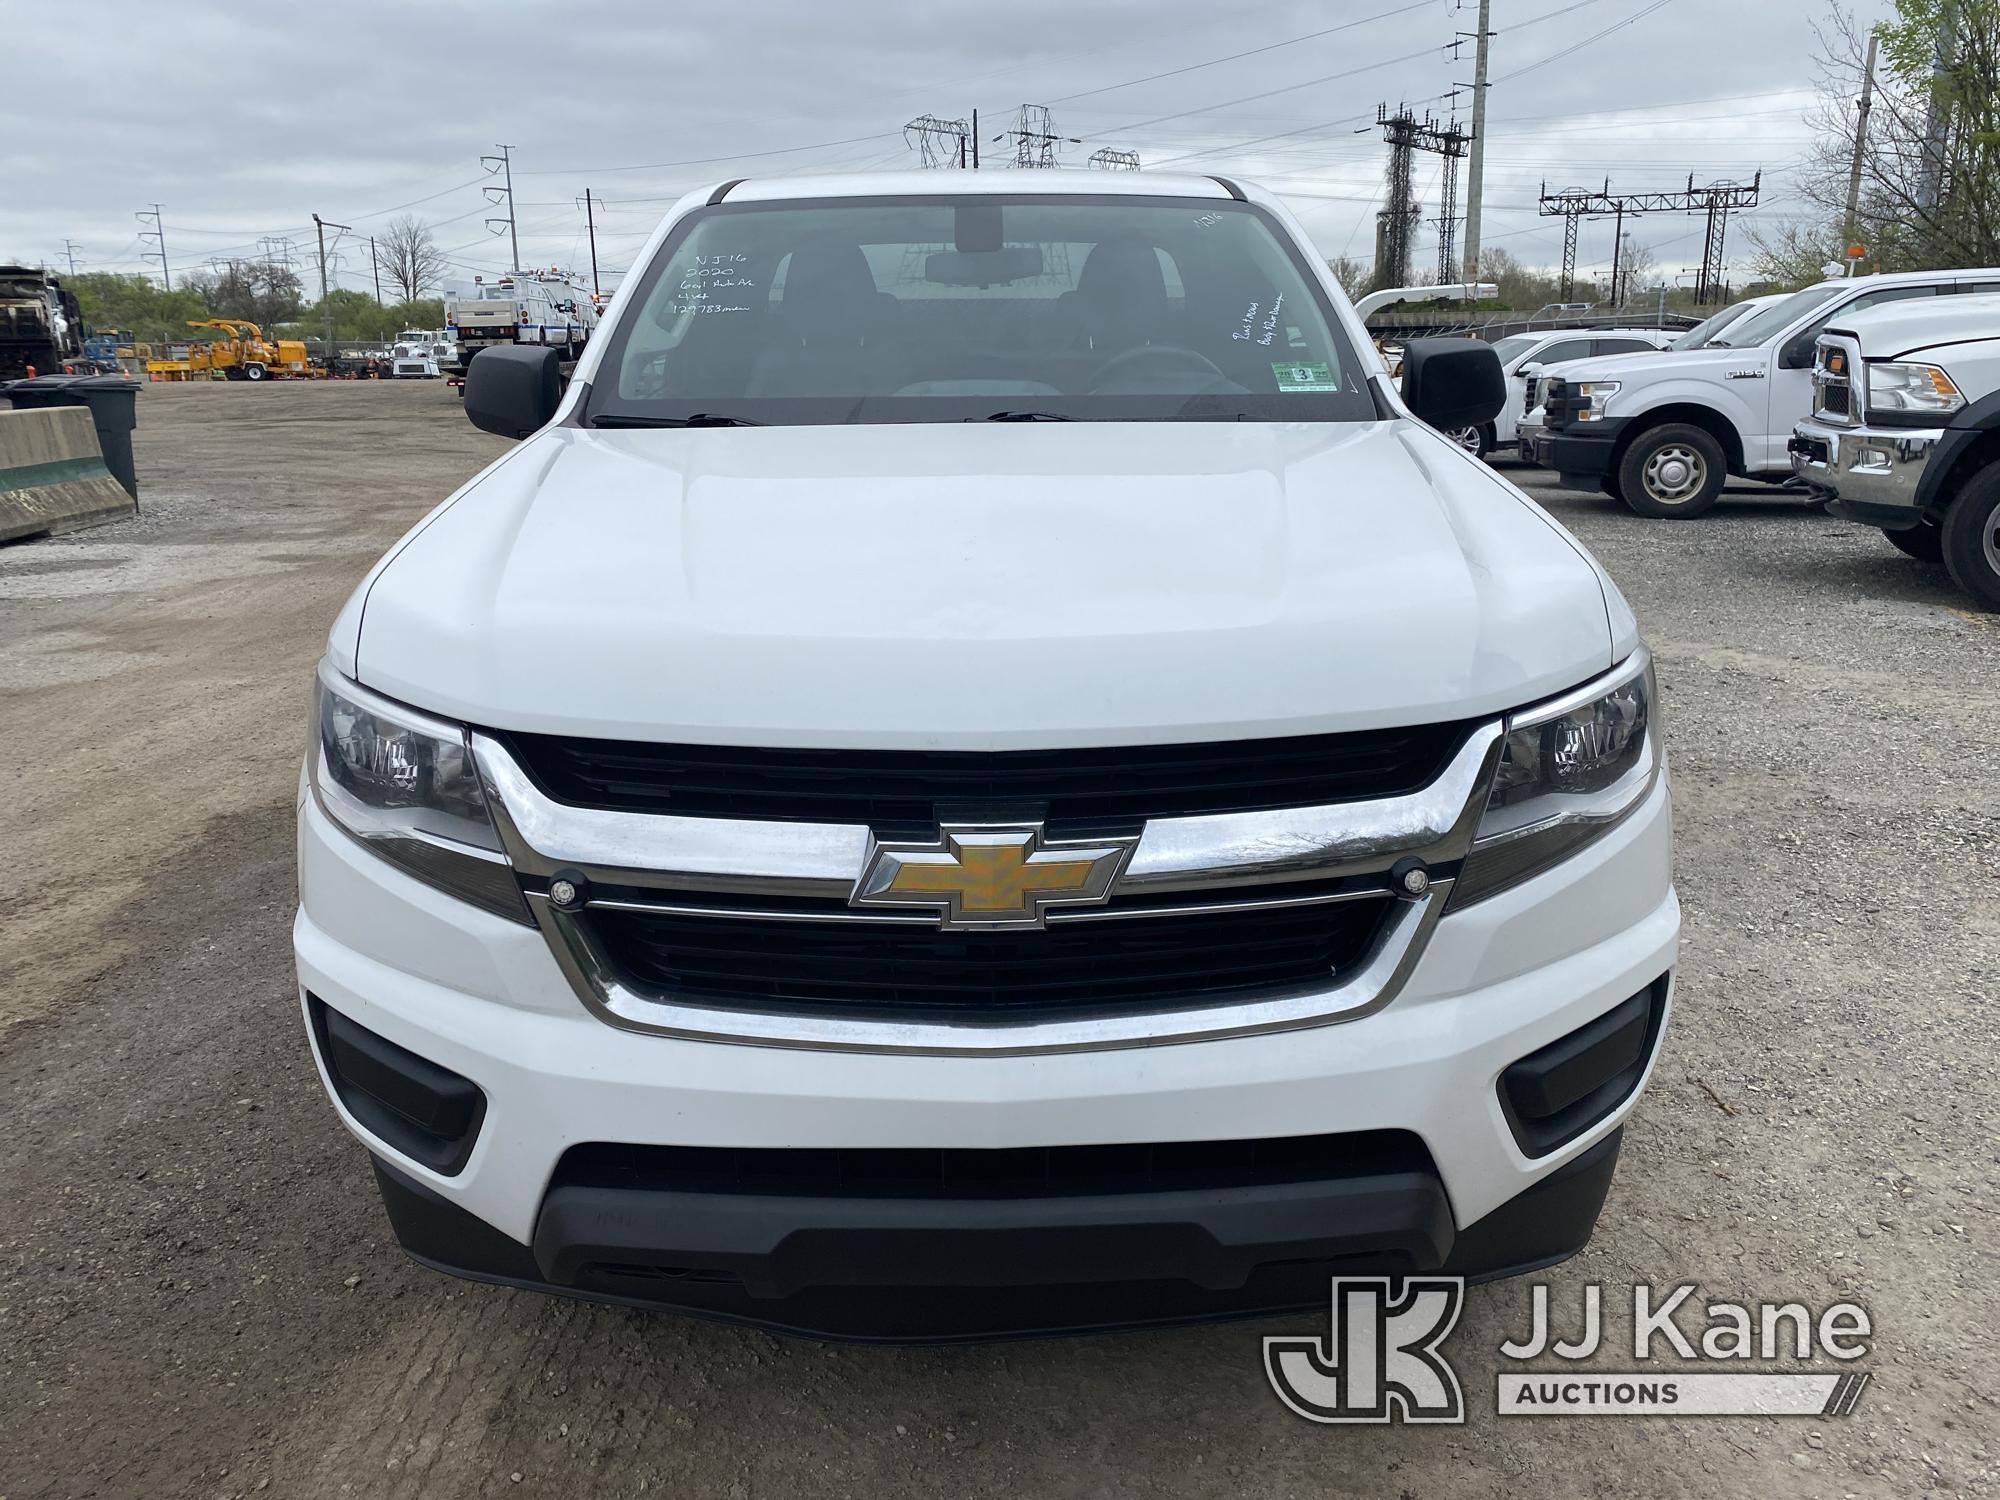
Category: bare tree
[1352,275]
[1638,270]
[408,257]
[1930,169]
[258,291]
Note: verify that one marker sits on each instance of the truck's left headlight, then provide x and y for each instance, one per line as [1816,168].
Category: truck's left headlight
[405,785]
[1569,771]
[1912,388]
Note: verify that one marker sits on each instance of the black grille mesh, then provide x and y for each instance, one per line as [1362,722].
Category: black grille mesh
[857,967]
[908,787]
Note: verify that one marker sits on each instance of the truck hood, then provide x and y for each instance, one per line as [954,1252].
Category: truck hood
[1653,362]
[984,586]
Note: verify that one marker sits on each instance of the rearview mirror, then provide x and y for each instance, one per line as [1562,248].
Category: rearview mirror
[513,391]
[1452,384]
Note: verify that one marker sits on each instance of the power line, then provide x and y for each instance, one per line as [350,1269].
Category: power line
[1579,46]
[1400,10]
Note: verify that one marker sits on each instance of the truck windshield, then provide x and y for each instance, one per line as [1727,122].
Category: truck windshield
[1514,345]
[1058,308]
[1760,328]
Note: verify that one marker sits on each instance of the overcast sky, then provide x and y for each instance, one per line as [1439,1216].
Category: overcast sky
[242,120]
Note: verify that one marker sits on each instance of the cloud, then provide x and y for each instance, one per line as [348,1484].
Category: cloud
[244,121]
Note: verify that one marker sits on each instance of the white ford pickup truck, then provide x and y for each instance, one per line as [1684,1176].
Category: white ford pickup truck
[1905,431]
[1663,432]
[980,770]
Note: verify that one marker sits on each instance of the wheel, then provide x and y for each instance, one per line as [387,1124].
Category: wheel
[1924,541]
[1971,535]
[253,372]
[1673,472]
[1471,439]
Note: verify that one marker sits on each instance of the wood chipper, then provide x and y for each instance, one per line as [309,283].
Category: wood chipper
[245,354]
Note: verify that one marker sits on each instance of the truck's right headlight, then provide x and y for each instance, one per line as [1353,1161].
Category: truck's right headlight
[404,786]
[1912,388]
[1596,395]
[1569,770]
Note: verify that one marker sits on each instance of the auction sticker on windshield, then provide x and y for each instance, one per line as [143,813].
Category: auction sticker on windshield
[1295,377]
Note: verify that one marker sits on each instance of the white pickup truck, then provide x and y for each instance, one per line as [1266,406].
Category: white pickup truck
[1663,432]
[980,770]
[1905,431]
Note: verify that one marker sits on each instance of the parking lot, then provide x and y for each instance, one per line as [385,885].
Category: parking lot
[199,1293]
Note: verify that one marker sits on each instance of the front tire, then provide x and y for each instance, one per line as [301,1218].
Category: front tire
[1472,439]
[1971,535]
[1672,472]
[1923,541]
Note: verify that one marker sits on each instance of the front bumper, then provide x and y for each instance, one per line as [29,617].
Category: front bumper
[1874,473]
[484,999]
[1580,460]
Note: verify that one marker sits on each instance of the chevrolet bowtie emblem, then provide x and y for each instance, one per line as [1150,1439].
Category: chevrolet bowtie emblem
[986,875]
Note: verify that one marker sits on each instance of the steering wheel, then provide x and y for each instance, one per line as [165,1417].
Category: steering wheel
[1159,360]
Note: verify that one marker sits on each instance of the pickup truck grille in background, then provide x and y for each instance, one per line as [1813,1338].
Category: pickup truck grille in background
[1834,367]
[892,970]
[1553,394]
[907,788]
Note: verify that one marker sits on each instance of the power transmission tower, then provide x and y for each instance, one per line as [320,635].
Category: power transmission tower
[1035,138]
[1397,222]
[322,226]
[1475,176]
[939,142]
[504,162]
[69,250]
[1716,200]
[1112,159]
[158,234]
[1861,110]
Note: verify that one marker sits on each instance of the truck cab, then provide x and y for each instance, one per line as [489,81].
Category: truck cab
[1905,431]
[1663,432]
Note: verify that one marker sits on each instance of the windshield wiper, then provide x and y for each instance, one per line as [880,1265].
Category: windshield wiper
[1023,416]
[699,419]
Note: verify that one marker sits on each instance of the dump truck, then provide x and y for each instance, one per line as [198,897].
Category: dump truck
[41,326]
[245,354]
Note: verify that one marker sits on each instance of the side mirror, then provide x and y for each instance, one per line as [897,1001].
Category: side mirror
[513,391]
[1453,384]
[1798,351]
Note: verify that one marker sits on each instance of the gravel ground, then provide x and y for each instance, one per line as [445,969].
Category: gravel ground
[199,1294]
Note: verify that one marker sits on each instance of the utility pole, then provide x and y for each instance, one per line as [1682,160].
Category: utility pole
[590,223]
[158,234]
[1937,118]
[1861,109]
[505,164]
[323,225]
[69,249]
[1475,172]
[975,140]
[1617,254]
[375,261]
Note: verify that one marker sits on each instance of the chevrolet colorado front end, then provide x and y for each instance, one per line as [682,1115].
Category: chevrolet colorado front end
[980,772]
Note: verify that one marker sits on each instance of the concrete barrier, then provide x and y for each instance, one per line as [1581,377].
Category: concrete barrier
[52,474]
